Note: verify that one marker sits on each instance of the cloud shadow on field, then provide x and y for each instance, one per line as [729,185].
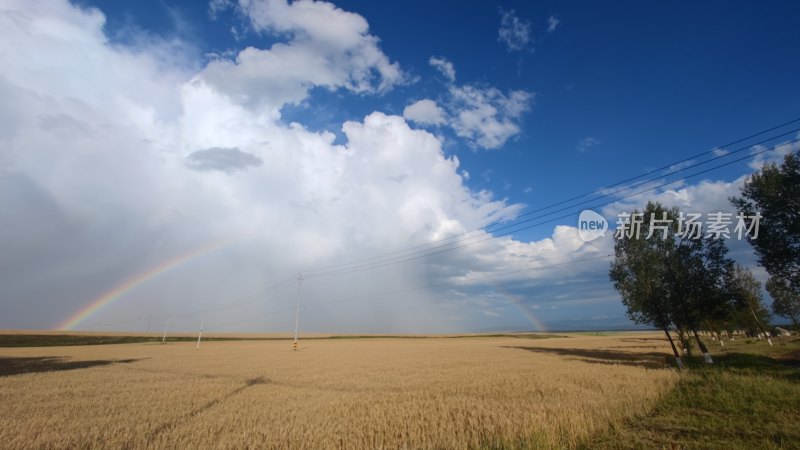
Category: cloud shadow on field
[22,365]
[650,360]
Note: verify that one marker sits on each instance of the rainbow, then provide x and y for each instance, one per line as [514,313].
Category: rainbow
[518,302]
[132,283]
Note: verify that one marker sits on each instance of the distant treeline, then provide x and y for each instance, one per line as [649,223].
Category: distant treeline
[53,340]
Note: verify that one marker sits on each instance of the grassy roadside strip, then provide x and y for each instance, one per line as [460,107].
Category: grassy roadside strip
[750,398]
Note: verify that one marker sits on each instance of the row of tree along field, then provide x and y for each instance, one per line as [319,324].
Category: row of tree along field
[684,285]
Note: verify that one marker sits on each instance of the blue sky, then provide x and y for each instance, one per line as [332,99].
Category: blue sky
[584,94]
[648,83]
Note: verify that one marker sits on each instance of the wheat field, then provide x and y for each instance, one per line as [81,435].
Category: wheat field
[483,392]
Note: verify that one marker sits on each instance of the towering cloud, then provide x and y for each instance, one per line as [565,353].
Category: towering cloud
[139,172]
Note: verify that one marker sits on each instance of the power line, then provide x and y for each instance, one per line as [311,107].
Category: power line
[385,293]
[633,186]
[430,286]
[456,245]
[690,158]
[497,275]
[289,281]
[384,260]
[489,228]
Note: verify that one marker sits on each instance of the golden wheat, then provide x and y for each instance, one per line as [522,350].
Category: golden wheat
[343,393]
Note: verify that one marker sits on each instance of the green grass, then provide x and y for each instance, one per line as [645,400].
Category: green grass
[34,364]
[750,398]
[48,340]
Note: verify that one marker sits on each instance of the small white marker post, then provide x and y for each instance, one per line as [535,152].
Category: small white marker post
[200,335]
[164,338]
[297,308]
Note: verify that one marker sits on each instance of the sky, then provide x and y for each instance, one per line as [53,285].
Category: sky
[181,162]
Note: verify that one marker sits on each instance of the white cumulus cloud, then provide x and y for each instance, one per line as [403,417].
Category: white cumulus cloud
[444,66]
[117,158]
[425,112]
[765,155]
[514,32]
[325,46]
[485,116]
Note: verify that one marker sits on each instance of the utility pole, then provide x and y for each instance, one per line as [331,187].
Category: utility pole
[297,307]
[149,320]
[164,338]
[199,335]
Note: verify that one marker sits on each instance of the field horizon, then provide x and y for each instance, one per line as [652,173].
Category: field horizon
[451,392]
[290,335]
[516,391]
[325,225]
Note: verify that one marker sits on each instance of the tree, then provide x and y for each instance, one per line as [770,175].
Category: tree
[745,291]
[669,278]
[785,301]
[697,272]
[639,273]
[774,193]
